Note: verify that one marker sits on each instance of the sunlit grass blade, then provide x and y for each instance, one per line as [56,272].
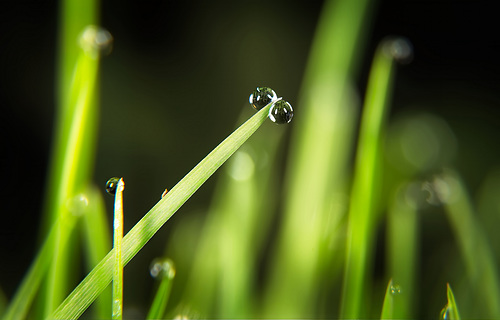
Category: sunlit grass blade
[476,251]
[366,184]
[20,304]
[165,271]
[450,311]
[87,291]
[321,147]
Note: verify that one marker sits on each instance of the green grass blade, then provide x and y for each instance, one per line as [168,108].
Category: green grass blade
[223,271]
[165,271]
[97,243]
[87,291]
[388,306]
[450,312]
[402,243]
[363,205]
[20,304]
[117,306]
[476,251]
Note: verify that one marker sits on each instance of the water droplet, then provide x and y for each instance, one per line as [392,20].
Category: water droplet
[400,49]
[395,289]
[96,41]
[281,112]
[162,267]
[78,204]
[117,307]
[111,185]
[261,97]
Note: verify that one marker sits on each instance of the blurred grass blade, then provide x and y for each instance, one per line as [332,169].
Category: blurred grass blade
[20,304]
[321,147]
[87,291]
[476,251]
[165,271]
[450,311]
[235,231]
[388,306]
[97,243]
[366,184]
[402,242]
[76,167]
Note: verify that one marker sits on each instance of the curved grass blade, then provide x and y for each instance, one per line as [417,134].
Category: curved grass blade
[95,282]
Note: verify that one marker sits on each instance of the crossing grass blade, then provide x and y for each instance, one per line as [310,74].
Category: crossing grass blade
[99,278]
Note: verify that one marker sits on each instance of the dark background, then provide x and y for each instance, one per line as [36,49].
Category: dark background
[180,74]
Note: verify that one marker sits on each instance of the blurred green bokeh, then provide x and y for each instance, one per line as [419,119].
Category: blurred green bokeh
[176,84]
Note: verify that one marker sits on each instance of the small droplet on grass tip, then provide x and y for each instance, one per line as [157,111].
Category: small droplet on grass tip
[96,41]
[281,112]
[395,289]
[161,268]
[261,97]
[111,185]
[398,48]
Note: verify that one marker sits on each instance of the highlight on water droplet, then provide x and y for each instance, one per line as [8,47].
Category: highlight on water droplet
[395,289]
[398,48]
[261,97]
[281,112]
[162,267]
[96,41]
[111,185]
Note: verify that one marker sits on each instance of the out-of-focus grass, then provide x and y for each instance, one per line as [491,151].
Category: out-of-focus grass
[273,247]
[315,181]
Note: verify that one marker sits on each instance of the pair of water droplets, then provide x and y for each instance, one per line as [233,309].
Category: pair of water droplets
[281,111]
